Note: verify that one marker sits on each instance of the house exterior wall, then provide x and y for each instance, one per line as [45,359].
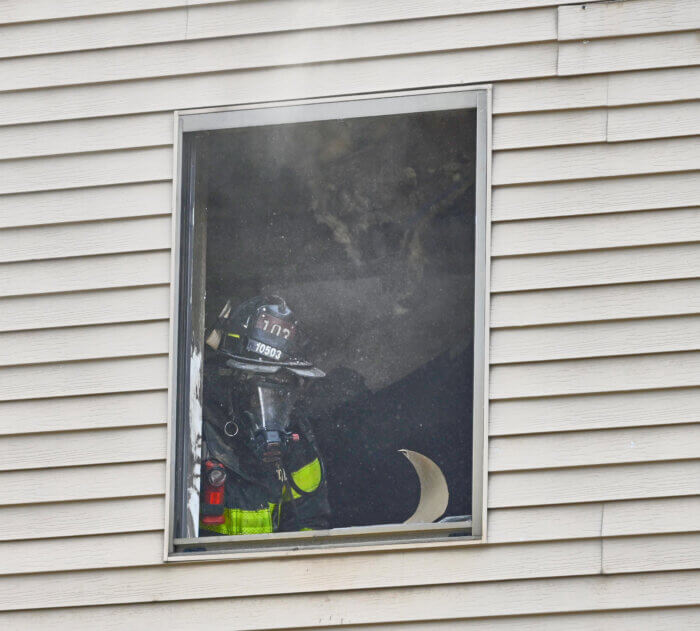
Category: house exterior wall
[594,439]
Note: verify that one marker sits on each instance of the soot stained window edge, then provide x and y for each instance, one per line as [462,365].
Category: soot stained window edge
[184,390]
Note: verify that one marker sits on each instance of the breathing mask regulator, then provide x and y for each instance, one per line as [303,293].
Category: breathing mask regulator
[260,343]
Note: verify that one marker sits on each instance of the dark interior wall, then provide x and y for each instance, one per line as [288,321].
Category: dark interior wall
[366,227]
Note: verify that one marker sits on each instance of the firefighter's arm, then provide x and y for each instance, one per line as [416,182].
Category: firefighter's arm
[311,509]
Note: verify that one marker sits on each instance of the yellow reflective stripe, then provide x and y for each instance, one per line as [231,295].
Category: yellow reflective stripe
[256,522]
[308,478]
[244,522]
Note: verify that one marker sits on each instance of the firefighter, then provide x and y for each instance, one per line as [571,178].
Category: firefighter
[260,461]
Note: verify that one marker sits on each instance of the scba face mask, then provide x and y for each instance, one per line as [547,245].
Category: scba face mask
[270,416]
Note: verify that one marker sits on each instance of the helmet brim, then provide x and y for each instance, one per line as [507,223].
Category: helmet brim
[265,368]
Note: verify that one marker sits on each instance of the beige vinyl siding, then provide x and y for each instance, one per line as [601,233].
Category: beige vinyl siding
[66,449]
[584,448]
[77,343]
[644,87]
[83,135]
[606,302]
[594,457]
[278,49]
[615,230]
[268,83]
[83,170]
[596,20]
[85,204]
[621,621]
[331,572]
[74,274]
[654,121]
[583,521]
[20,11]
[593,484]
[88,517]
[95,237]
[577,341]
[24,417]
[630,53]
[595,196]
[607,374]
[98,376]
[22,313]
[480,600]
[657,619]
[595,267]
[595,411]
[595,161]
[73,484]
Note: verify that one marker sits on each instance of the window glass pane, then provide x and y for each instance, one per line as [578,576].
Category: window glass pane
[342,255]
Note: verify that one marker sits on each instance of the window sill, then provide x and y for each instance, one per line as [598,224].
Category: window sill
[320,542]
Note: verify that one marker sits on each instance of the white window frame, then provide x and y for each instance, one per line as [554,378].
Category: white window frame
[393,536]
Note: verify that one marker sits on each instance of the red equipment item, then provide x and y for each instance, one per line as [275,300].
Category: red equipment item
[212,503]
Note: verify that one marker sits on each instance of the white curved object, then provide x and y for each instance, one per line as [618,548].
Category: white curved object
[434,494]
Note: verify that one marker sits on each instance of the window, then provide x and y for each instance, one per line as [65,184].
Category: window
[329,364]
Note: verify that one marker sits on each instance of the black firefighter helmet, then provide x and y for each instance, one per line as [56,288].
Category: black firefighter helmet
[261,336]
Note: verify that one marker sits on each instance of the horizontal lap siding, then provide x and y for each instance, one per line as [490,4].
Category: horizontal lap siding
[594,196]
[591,125]
[85,204]
[85,377]
[594,484]
[588,304]
[266,50]
[614,446]
[245,86]
[64,449]
[20,11]
[104,306]
[76,343]
[511,130]
[604,267]
[627,88]
[583,521]
[95,169]
[631,53]
[74,274]
[595,161]
[651,554]
[66,137]
[597,20]
[595,281]
[654,121]
[527,61]
[88,517]
[59,241]
[331,573]
[594,411]
[609,374]
[658,619]
[83,412]
[593,233]
[81,483]
[668,589]
[595,339]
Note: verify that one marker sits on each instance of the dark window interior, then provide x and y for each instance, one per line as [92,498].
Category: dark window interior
[366,227]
